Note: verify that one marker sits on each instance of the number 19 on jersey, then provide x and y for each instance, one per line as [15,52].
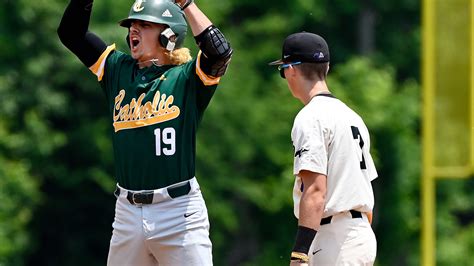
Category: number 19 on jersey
[165,141]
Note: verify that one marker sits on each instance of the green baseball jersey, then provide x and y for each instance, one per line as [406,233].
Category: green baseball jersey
[155,113]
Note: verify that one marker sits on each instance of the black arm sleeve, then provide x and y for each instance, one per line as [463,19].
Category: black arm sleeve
[216,50]
[73,32]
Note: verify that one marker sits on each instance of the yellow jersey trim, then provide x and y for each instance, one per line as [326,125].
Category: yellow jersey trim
[206,79]
[98,67]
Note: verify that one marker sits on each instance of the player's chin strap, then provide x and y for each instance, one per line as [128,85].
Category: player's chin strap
[154,61]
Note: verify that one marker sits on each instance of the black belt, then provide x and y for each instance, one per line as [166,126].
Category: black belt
[355,214]
[146,197]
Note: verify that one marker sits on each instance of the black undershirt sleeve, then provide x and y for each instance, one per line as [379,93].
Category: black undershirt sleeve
[73,32]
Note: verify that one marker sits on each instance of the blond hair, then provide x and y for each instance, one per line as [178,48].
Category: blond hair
[180,56]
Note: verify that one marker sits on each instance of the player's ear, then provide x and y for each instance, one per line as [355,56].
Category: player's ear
[291,71]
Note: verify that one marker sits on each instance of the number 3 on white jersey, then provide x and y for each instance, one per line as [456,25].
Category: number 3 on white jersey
[167,137]
[356,135]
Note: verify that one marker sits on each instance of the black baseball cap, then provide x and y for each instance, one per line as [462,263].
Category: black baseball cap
[304,47]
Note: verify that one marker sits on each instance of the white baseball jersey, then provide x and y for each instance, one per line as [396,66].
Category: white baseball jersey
[331,139]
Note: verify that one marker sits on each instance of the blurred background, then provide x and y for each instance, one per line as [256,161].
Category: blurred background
[56,160]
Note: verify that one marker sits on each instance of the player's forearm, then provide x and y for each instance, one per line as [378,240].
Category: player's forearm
[73,32]
[313,198]
[310,212]
[214,46]
[311,209]
[75,21]
[197,20]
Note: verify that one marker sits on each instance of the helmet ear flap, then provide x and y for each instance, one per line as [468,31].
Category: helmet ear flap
[168,39]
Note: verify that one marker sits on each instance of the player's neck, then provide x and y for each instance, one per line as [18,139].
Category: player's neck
[157,60]
[148,63]
[317,88]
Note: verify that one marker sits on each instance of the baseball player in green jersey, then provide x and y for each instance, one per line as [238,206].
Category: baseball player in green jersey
[156,97]
[333,168]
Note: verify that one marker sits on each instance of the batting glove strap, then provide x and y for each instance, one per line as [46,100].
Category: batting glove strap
[299,257]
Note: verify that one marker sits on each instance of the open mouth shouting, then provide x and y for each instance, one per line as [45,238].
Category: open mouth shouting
[134,42]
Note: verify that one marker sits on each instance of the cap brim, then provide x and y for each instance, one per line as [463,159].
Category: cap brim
[276,63]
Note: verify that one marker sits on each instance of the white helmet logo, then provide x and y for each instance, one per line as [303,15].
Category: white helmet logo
[137,7]
[167,14]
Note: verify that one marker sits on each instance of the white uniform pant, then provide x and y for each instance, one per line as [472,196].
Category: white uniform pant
[171,232]
[344,241]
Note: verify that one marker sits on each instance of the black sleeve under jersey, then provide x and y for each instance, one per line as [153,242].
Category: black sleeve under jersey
[74,34]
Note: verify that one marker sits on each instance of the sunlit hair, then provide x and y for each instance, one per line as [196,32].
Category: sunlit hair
[179,56]
[312,71]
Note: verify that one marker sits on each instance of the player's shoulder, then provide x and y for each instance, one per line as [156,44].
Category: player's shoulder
[309,115]
[178,71]
[184,71]
[118,60]
[319,106]
[321,110]
[188,66]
